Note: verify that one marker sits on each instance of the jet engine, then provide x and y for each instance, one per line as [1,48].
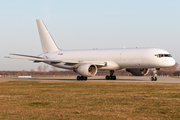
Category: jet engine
[86,70]
[138,71]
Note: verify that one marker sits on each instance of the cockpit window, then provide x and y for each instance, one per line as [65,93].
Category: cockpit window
[164,55]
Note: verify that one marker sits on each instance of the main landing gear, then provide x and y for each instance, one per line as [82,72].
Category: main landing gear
[81,78]
[154,77]
[111,77]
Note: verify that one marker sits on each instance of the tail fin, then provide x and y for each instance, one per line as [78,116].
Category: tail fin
[48,44]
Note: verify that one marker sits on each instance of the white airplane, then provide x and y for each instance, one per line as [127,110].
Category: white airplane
[137,61]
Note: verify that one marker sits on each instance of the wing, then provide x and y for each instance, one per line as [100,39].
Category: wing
[55,61]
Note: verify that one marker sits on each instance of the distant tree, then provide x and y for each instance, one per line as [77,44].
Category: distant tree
[54,68]
[173,68]
[24,72]
[45,67]
[169,70]
[39,68]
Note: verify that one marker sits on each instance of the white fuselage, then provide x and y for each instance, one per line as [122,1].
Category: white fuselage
[115,58]
[86,62]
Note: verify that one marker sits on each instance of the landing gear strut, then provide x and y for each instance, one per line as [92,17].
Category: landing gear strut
[154,77]
[81,78]
[111,77]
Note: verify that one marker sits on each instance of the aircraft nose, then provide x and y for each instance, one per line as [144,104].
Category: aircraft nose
[171,62]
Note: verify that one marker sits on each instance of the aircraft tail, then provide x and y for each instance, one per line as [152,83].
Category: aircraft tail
[47,42]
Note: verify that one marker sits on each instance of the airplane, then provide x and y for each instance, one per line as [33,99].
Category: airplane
[86,63]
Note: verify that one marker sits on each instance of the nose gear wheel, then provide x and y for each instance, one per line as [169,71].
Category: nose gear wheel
[154,77]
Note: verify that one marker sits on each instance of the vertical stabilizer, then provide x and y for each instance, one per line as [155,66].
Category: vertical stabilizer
[48,44]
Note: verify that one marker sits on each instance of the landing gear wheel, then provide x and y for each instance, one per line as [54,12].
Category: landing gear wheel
[81,78]
[107,77]
[110,77]
[153,78]
[113,77]
[78,78]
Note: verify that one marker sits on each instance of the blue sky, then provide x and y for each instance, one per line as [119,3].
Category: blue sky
[82,24]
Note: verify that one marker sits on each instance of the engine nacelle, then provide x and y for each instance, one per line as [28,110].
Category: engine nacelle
[86,70]
[138,71]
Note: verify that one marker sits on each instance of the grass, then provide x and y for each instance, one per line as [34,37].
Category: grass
[88,100]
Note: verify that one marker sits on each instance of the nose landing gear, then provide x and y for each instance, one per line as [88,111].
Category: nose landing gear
[111,77]
[154,77]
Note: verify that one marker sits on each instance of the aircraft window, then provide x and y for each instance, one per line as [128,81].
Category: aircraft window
[60,53]
[164,55]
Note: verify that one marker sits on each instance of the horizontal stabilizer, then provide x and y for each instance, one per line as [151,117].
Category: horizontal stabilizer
[36,59]
[26,55]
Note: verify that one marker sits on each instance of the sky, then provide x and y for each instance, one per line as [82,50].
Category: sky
[87,24]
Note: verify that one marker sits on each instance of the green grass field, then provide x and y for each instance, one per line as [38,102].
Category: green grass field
[88,100]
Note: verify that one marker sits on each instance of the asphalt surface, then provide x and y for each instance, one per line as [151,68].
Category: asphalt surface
[102,79]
